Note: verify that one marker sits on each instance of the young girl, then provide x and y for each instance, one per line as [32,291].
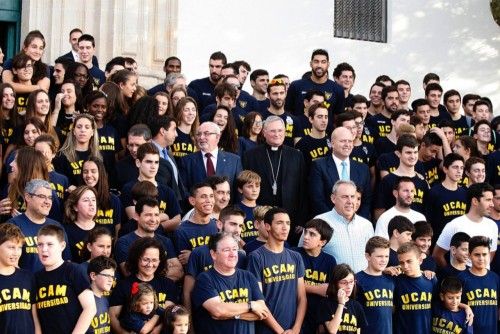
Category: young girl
[70,103]
[339,312]
[186,117]
[117,106]
[176,94]
[38,106]
[98,243]
[33,46]
[81,144]
[127,82]
[176,320]
[164,105]
[144,313]
[109,207]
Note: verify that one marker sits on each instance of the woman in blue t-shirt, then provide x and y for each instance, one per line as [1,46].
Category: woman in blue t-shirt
[251,133]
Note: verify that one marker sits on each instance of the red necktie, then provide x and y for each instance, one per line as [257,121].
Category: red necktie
[210,165]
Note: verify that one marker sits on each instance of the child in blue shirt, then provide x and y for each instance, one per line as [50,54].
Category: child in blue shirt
[481,286]
[144,312]
[447,317]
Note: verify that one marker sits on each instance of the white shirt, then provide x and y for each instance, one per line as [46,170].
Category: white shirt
[486,227]
[347,244]
[383,220]
[76,56]
[213,157]
[338,162]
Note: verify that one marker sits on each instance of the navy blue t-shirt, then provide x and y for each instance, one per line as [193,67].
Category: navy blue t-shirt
[302,126]
[318,270]
[101,323]
[109,218]
[313,148]
[59,183]
[379,125]
[123,244]
[165,289]
[240,287]
[71,169]
[245,144]
[384,145]
[413,304]
[166,197]
[448,322]
[182,146]
[278,273]
[481,294]
[385,200]
[76,241]
[57,297]
[390,162]
[249,232]
[444,205]
[200,261]
[375,294]
[253,245]
[431,170]
[493,168]
[353,316]
[429,264]
[18,294]
[203,92]
[364,153]
[190,235]
[334,94]
[461,127]
[29,259]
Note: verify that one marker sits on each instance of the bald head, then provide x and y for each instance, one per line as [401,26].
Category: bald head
[342,143]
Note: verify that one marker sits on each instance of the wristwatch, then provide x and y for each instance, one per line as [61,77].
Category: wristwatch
[250,306]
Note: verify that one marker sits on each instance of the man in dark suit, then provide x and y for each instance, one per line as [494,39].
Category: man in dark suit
[164,131]
[74,35]
[282,171]
[338,166]
[209,160]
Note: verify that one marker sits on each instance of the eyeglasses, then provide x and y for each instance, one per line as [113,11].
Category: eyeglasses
[259,123]
[42,197]
[360,124]
[346,282]
[205,134]
[150,261]
[107,276]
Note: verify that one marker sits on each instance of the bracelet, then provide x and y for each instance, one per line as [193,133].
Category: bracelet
[341,304]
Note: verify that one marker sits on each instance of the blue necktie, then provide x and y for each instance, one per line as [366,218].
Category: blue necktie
[344,175]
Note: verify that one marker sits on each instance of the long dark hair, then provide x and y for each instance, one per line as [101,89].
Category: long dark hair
[340,272]
[102,186]
[228,138]
[138,248]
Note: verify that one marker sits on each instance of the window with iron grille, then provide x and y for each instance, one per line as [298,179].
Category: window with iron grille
[364,20]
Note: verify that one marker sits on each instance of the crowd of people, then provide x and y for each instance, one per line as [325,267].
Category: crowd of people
[202,208]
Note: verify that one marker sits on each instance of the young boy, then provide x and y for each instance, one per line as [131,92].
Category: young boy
[258,214]
[248,184]
[318,267]
[101,271]
[17,286]
[423,239]
[400,231]
[459,256]
[447,317]
[375,290]
[481,286]
[412,293]
[64,302]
